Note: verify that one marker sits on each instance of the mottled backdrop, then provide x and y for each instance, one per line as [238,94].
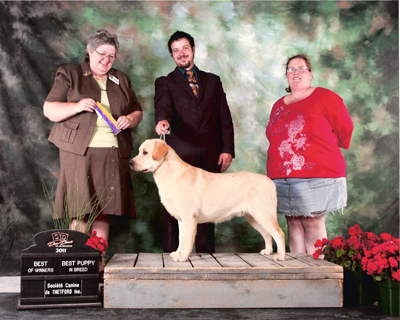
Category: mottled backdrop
[353,47]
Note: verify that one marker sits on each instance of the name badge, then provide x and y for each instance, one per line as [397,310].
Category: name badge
[114,79]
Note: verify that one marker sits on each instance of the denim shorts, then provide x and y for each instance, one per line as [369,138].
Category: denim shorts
[310,197]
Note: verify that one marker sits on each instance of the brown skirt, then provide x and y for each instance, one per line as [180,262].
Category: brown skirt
[97,181]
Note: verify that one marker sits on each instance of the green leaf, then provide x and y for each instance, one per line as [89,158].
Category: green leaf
[339,253]
[378,277]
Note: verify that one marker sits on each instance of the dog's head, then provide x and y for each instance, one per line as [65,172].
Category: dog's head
[151,156]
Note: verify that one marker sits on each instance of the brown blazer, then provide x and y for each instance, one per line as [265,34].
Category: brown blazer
[199,126]
[75,82]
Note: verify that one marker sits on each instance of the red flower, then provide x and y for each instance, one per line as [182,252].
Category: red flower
[367,253]
[378,256]
[375,250]
[352,231]
[318,243]
[396,276]
[353,241]
[386,236]
[97,242]
[372,268]
[337,243]
[393,263]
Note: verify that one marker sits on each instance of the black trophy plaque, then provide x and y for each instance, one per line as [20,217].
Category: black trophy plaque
[60,270]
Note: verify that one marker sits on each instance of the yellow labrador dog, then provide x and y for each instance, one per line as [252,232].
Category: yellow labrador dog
[193,196]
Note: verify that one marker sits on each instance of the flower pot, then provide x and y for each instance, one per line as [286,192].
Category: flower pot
[358,289]
[388,296]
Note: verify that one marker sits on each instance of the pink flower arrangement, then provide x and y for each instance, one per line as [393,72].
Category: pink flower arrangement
[378,256]
[97,242]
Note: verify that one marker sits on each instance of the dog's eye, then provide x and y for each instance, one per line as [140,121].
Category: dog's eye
[145,153]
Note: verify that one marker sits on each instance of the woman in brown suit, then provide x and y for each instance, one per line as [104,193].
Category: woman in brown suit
[94,162]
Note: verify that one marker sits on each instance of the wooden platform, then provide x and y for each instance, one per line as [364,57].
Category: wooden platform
[221,280]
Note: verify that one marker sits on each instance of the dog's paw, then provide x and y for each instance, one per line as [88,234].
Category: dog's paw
[175,255]
[279,257]
[182,258]
[265,252]
[179,258]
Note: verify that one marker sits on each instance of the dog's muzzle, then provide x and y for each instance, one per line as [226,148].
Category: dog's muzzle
[132,164]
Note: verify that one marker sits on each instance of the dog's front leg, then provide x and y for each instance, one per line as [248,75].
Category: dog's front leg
[175,254]
[187,234]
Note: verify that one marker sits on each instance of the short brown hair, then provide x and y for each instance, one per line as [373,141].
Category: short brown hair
[297,56]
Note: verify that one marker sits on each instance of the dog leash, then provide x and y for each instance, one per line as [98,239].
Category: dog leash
[162,137]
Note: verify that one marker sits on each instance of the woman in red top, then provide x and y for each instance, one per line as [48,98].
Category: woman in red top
[306,130]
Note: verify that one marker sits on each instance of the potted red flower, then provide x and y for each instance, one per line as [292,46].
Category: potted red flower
[377,257]
[347,253]
[382,263]
[358,287]
[98,243]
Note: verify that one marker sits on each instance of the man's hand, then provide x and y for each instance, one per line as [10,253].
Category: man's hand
[162,127]
[226,160]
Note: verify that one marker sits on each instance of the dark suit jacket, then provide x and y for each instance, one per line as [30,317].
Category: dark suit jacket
[74,82]
[199,126]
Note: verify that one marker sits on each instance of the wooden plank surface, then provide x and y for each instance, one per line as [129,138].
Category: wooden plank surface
[258,261]
[231,260]
[204,261]
[319,263]
[220,266]
[149,260]
[224,276]
[121,261]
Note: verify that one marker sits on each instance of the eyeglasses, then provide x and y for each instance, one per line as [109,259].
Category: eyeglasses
[103,55]
[301,69]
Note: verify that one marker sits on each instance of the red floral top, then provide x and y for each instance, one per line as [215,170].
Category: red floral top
[305,137]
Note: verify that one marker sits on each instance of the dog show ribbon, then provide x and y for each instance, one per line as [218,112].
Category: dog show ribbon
[107,117]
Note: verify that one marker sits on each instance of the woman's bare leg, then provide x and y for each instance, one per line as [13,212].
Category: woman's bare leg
[296,234]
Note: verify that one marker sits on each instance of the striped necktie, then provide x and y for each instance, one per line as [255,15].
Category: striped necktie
[192,82]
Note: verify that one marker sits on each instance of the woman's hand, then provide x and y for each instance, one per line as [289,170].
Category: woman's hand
[130,121]
[123,122]
[85,105]
[60,111]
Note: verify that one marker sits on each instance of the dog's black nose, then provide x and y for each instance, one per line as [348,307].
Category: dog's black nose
[131,164]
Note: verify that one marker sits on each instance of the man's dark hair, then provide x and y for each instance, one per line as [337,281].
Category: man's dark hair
[179,35]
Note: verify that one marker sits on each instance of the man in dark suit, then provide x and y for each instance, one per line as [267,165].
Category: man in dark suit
[193,108]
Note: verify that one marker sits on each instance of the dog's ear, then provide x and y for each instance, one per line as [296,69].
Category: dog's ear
[159,151]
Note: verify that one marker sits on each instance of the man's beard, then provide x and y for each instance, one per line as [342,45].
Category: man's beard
[185,64]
